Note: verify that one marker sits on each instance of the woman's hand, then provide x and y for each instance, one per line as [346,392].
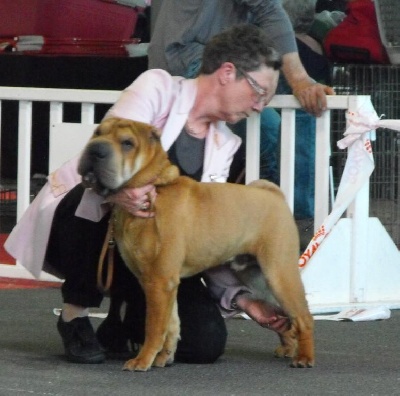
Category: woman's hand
[137,201]
[264,313]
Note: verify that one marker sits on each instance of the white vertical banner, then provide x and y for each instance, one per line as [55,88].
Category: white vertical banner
[361,122]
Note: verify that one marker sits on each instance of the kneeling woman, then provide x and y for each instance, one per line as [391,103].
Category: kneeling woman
[191,115]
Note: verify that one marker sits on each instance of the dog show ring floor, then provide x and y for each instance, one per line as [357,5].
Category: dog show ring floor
[352,358]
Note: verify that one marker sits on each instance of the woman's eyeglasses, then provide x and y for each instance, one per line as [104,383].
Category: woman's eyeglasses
[257,88]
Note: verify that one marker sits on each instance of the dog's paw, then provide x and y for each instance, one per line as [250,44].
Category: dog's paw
[164,358]
[284,351]
[305,354]
[288,346]
[297,361]
[136,364]
[302,362]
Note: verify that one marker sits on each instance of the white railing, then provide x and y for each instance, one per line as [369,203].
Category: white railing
[323,290]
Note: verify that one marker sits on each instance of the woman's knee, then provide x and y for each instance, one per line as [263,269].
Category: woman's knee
[203,347]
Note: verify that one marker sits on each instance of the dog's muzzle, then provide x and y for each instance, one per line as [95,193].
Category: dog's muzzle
[94,167]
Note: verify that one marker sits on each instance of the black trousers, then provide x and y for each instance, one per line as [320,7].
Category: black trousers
[74,249]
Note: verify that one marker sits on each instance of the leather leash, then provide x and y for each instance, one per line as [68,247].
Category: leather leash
[108,247]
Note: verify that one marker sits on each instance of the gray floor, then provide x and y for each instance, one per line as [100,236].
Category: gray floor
[352,359]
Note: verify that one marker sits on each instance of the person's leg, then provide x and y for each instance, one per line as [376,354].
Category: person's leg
[73,250]
[269,142]
[304,188]
[269,145]
[203,330]
[126,295]
[304,166]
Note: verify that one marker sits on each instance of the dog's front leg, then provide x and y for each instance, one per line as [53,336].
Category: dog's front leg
[166,356]
[160,295]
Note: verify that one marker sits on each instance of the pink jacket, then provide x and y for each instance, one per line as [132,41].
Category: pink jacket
[154,97]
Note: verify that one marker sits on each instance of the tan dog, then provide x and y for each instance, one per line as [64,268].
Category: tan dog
[196,226]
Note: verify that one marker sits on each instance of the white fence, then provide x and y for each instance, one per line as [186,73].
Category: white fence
[349,268]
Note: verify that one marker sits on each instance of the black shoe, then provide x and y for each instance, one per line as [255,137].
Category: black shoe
[112,337]
[118,337]
[80,342]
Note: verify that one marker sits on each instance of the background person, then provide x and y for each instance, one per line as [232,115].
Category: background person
[302,16]
[181,30]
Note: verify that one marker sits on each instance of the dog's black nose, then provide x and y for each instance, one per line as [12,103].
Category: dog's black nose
[99,151]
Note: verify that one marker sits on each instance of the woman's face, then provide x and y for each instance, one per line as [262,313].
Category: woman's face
[249,94]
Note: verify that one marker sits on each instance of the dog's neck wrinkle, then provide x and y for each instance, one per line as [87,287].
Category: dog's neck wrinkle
[165,174]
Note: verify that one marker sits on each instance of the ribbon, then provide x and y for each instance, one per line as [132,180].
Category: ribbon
[358,168]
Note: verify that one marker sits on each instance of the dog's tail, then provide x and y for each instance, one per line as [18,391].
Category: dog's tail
[267,185]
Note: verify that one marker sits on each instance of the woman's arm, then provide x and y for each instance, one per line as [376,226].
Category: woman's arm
[148,99]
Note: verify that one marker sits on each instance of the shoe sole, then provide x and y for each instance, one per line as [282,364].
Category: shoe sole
[95,359]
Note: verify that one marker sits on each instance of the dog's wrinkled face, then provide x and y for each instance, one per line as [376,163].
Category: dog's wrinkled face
[117,150]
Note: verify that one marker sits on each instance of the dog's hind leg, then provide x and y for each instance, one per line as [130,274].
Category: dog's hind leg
[282,272]
[160,292]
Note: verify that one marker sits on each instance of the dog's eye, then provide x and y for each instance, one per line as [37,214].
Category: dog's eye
[127,144]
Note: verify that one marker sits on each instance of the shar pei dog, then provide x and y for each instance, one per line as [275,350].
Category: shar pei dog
[196,226]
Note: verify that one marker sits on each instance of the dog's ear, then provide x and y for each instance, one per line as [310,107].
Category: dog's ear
[169,172]
[105,126]
[96,132]
[155,134]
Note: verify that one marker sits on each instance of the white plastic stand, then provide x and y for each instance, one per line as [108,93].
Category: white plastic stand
[335,279]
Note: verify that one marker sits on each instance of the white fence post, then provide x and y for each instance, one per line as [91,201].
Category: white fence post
[287,160]
[358,211]
[87,113]
[253,148]
[24,156]
[56,112]
[322,159]
[359,244]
